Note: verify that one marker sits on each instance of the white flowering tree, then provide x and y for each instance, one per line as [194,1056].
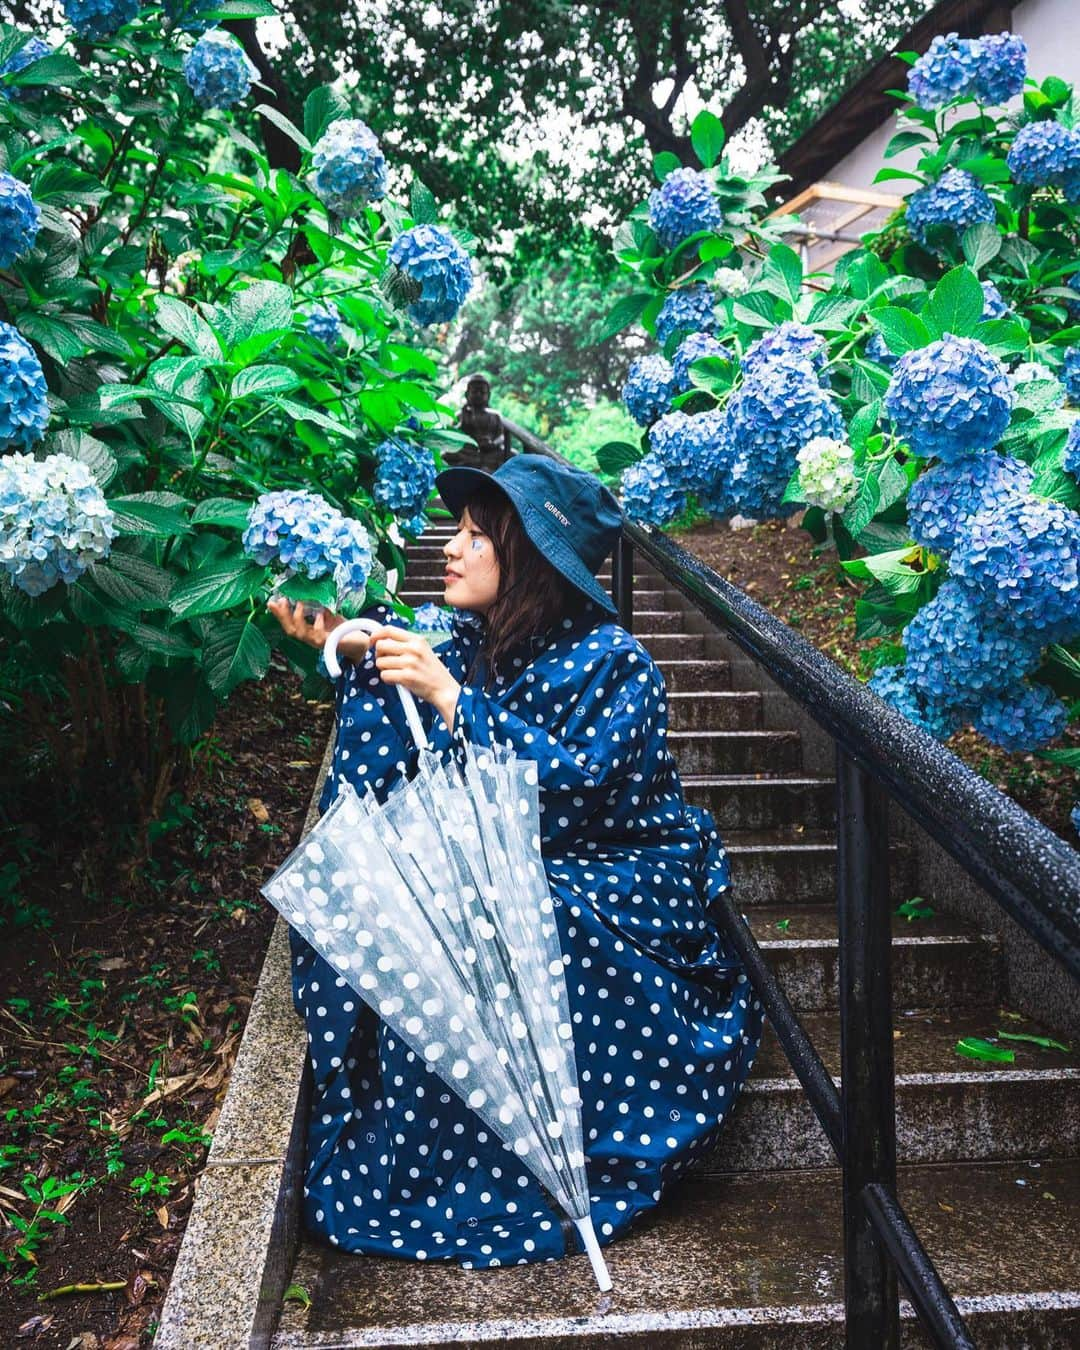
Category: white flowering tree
[921,403]
[213,374]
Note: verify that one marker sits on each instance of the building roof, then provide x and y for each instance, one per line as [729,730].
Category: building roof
[866,104]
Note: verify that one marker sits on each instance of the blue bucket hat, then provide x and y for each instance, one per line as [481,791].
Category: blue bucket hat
[571,518]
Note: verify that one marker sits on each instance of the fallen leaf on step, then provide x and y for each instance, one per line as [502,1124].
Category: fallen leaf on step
[257,807]
[163,1216]
[34,1326]
[299,763]
[947,1208]
[113,963]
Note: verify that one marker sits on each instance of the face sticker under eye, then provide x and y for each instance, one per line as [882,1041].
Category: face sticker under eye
[477,545]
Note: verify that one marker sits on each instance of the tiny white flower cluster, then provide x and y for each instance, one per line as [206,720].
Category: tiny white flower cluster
[827,473]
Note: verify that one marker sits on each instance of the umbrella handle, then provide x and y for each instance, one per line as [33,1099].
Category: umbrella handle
[587,1233]
[333,666]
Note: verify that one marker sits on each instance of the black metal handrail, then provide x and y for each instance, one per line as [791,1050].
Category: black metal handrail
[1025,867]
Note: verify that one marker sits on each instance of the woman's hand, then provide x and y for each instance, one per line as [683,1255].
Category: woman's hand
[291,617]
[406,658]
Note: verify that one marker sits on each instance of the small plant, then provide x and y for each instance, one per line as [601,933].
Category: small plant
[209,960]
[151,1184]
[45,1196]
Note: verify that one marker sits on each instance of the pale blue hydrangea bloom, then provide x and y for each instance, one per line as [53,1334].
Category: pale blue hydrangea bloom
[1071,460]
[434,259]
[893,685]
[218,71]
[54,521]
[1045,154]
[349,167]
[695,451]
[20,219]
[877,350]
[404,479]
[949,398]
[1022,716]
[431,618]
[1070,373]
[788,341]
[730,281]
[32,50]
[995,305]
[649,388]
[190,15]
[352,556]
[1002,67]
[93,19]
[956,201]
[648,495]
[684,204]
[324,322]
[302,532]
[24,403]
[943,500]
[691,310]
[947,70]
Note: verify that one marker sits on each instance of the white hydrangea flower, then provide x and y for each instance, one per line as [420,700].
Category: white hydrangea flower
[1028,371]
[827,473]
[54,521]
[730,281]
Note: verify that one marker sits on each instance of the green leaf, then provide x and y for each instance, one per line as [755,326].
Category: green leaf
[891,568]
[915,908]
[891,175]
[976,1048]
[707,137]
[863,424]
[625,312]
[190,705]
[1070,758]
[665,163]
[832,313]
[902,330]
[234,651]
[55,70]
[159,641]
[222,511]
[264,308]
[183,322]
[318,590]
[1043,1042]
[297,1293]
[242,9]
[321,107]
[905,140]
[956,304]
[981,243]
[263,380]
[64,182]
[614,456]
[283,124]
[144,513]
[757,310]
[133,582]
[305,414]
[782,273]
[422,205]
[222,584]
[80,445]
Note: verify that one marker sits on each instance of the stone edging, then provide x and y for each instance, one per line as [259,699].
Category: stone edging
[226,1288]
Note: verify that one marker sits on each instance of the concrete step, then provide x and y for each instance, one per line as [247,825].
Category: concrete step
[744,1262]
[757,802]
[948,1108]
[723,710]
[718,752]
[795,866]
[661,621]
[682,677]
[936,963]
[672,646]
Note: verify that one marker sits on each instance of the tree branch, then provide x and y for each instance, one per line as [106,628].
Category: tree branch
[281,151]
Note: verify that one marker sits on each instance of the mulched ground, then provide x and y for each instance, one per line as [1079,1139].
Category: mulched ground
[127,983]
[774,563]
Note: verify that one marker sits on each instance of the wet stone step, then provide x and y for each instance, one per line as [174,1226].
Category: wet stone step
[948,1108]
[682,677]
[724,710]
[672,646]
[792,866]
[940,965]
[757,802]
[717,752]
[743,1262]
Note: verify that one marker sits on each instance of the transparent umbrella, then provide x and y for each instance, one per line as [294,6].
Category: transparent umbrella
[434,906]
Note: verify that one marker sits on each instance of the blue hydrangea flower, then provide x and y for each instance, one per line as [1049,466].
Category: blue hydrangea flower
[959,649]
[648,495]
[947,70]
[994,303]
[1045,154]
[682,205]
[218,71]
[352,557]
[20,219]
[431,256]
[649,388]
[788,341]
[1071,459]
[324,322]
[943,500]
[1075,817]
[1070,373]
[32,50]
[349,167]
[430,618]
[295,528]
[1027,372]
[1023,716]
[695,451]
[877,350]
[189,15]
[93,19]
[954,202]
[692,310]
[404,479]
[1002,67]
[768,419]
[691,349]
[24,403]
[893,685]
[54,521]
[1022,556]
[1073,306]
[949,398]
[730,281]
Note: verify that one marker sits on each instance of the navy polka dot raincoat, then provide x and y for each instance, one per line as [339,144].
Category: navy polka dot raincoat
[665,1022]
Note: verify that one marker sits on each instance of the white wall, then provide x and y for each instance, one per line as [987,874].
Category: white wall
[1051,29]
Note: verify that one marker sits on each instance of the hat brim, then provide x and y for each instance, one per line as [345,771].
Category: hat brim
[457,485]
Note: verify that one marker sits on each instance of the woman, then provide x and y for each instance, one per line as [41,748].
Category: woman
[666,1025]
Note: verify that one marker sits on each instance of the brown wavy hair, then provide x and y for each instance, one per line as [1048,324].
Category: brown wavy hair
[532,595]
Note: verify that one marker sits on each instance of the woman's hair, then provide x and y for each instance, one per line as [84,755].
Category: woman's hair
[532,594]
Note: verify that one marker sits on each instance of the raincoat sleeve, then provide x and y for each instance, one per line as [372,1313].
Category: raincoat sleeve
[596,728]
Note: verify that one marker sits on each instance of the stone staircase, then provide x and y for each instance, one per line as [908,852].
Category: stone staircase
[746,1253]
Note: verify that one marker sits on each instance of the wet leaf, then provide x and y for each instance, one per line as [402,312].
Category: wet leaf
[976,1048]
[947,1208]
[140,1283]
[163,1216]
[1044,1042]
[34,1326]
[915,908]
[783,925]
[296,1293]
[257,807]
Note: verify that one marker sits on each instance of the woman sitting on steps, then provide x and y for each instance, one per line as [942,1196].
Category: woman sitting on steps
[665,1022]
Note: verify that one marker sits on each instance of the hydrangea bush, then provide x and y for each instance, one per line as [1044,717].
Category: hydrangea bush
[920,404]
[177,425]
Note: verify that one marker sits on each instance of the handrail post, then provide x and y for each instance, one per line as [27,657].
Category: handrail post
[866,1050]
[622,582]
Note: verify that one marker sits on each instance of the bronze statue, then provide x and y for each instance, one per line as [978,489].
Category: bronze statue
[491,440]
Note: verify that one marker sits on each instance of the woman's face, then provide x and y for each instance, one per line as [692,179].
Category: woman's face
[472,570]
